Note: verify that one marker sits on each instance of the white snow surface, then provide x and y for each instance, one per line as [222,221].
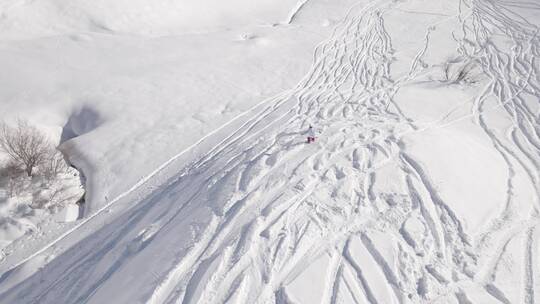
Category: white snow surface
[24,19]
[26,202]
[423,185]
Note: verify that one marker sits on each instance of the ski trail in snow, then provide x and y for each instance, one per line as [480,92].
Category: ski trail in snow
[354,212]
[340,73]
[142,181]
[337,75]
[513,74]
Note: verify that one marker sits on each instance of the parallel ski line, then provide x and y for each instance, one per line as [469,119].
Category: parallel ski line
[143,181]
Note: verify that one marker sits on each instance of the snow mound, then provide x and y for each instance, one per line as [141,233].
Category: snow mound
[147,17]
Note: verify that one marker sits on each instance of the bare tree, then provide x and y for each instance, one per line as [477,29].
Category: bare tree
[53,164]
[12,172]
[24,144]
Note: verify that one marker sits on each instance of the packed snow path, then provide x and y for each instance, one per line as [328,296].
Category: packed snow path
[354,217]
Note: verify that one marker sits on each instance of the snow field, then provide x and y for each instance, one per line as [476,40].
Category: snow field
[400,200]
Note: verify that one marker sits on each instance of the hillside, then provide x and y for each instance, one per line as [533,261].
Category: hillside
[422,185]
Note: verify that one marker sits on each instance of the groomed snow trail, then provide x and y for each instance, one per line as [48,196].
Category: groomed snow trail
[354,217]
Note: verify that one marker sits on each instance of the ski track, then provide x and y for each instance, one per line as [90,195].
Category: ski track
[277,205]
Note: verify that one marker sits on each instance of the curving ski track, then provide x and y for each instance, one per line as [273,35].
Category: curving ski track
[250,219]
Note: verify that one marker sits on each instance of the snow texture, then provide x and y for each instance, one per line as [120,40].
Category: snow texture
[423,185]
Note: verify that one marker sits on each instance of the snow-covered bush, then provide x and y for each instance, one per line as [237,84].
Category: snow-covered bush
[35,181]
[460,70]
[24,144]
[53,165]
[13,176]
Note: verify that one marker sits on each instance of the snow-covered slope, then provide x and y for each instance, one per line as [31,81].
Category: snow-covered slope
[24,19]
[422,186]
[135,101]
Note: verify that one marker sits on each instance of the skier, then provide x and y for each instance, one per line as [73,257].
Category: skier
[310,135]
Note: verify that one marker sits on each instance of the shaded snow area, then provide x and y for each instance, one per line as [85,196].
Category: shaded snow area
[422,185]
